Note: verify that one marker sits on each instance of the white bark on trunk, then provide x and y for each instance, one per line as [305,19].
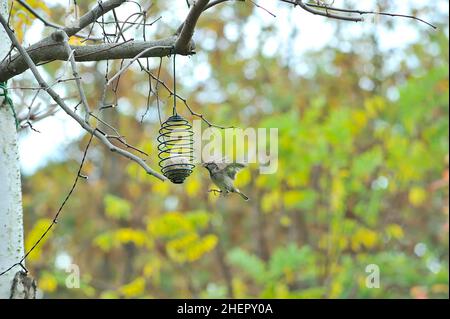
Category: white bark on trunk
[11,221]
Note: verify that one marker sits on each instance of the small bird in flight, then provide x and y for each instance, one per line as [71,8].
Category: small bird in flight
[222,175]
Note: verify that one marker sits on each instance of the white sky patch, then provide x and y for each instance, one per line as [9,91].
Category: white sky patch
[202,72]
[56,133]
[63,260]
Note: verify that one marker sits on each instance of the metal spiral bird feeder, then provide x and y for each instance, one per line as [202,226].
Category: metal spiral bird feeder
[176,144]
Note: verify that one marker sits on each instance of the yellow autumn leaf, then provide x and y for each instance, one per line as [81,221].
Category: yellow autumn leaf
[137,173]
[297,179]
[261,181]
[134,288]
[417,196]
[291,198]
[407,171]
[176,248]
[359,121]
[205,245]
[270,201]
[192,187]
[116,207]
[169,225]
[161,188]
[33,236]
[239,288]
[152,268]
[108,294]
[342,242]
[285,221]
[243,178]
[337,194]
[89,291]
[190,247]
[22,19]
[130,235]
[75,41]
[104,241]
[374,105]
[48,283]
[281,291]
[395,231]
[364,237]
[336,289]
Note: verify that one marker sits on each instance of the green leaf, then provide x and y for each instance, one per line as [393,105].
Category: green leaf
[116,207]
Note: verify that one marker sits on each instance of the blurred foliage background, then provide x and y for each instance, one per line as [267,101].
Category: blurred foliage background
[362,177]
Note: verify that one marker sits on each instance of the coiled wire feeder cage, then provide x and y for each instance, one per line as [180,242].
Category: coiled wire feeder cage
[176,149]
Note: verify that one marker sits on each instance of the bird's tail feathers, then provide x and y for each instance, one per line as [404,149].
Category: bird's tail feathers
[242,194]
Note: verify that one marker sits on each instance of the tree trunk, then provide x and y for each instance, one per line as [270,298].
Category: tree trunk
[11,222]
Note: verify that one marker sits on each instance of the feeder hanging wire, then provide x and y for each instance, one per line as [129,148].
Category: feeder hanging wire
[174,111]
[175,142]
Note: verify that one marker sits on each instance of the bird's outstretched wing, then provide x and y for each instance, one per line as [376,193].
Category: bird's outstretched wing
[233,168]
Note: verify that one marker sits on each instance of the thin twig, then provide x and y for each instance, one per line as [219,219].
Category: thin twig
[46,22]
[157,91]
[84,100]
[193,113]
[325,13]
[118,137]
[132,60]
[261,7]
[361,12]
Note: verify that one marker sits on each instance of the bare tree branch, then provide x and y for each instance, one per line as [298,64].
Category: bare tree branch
[186,30]
[69,111]
[98,52]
